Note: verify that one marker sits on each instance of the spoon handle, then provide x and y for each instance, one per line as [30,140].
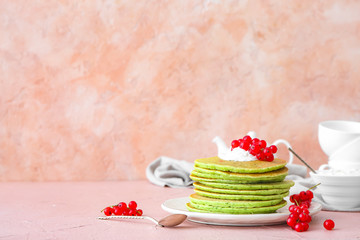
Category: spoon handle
[302,160]
[129,217]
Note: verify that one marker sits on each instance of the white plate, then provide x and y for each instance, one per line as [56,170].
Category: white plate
[178,205]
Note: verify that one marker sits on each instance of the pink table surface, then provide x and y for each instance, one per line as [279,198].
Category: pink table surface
[68,210]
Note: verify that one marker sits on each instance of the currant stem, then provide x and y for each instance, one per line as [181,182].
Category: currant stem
[314,186]
[108,206]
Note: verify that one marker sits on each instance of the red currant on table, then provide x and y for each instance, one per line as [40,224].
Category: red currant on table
[132,205]
[305,226]
[122,206]
[108,211]
[123,209]
[299,217]
[133,212]
[126,212]
[117,211]
[291,221]
[139,212]
[329,224]
[298,227]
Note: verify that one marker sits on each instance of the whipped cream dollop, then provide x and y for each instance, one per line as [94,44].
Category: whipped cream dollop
[237,154]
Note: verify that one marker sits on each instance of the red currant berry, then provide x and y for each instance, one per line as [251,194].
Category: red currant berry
[295,198]
[262,144]
[269,158]
[122,206]
[108,211]
[291,221]
[329,224]
[267,151]
[273,148]
[291,208]
[309,218]
[294,215]
[297,210]
[132,212]
[117,210]
[303,196]
[305,204]
[112,210]
[298,227]
[305,226]
[132,205]
[247,139]
[260,156]
[305,210]
[235,144]
[303,217]
[254,141]
[126,212]
[245,145]
[309,194]
[139,212]
[254,149]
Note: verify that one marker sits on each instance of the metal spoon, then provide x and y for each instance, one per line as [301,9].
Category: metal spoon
[169,221]
[302,160]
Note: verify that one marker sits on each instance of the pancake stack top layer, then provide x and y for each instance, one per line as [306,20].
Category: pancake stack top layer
[237,187]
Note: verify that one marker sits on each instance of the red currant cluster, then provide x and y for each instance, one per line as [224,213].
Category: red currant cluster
[255,147]
[299,217]
[123,209]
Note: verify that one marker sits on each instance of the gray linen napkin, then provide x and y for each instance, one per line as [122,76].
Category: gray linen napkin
[166,171]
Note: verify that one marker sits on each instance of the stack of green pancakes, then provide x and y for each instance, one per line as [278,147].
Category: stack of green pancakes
[236,187]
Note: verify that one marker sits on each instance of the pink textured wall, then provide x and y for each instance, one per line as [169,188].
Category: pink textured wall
[93,90]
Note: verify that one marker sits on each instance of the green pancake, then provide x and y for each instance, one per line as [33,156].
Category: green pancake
[257,166]
[274,176]
[193,207]
[203,187]
[240,196]
[224,181]
[213,202]
[287,184]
